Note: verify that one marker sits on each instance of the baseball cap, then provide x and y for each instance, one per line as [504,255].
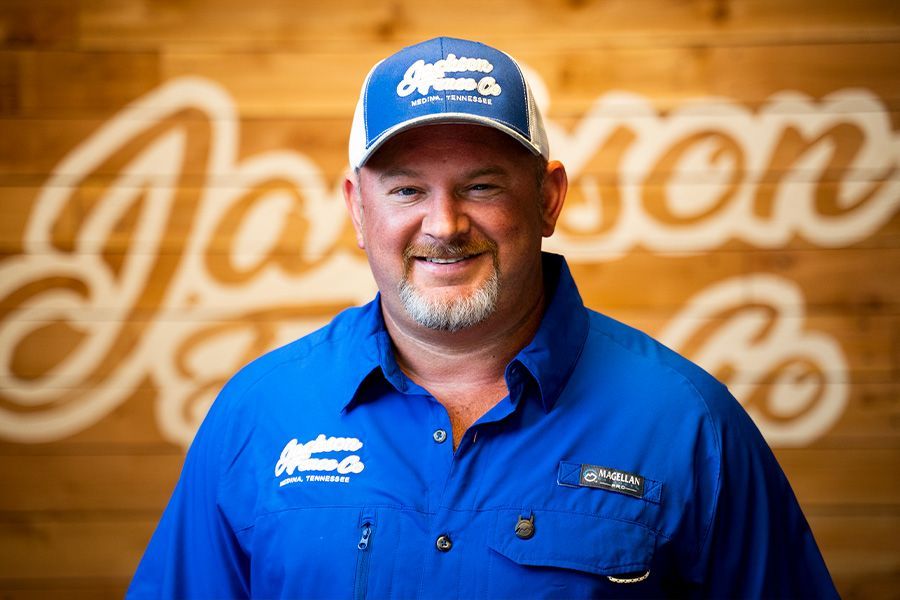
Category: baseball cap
[445,80]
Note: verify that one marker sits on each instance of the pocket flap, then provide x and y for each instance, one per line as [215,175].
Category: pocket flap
[588,543]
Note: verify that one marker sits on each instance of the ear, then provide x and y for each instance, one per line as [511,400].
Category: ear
[353,199]
[556,183]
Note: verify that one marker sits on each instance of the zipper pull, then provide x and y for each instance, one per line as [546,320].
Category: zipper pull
[364,540]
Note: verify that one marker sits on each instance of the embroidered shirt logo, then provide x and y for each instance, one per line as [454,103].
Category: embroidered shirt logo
[612,479]
[424,77]
[299,458]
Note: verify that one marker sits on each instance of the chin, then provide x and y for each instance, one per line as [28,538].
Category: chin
[450,311]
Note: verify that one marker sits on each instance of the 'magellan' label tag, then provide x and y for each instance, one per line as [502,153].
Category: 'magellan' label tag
[612,479]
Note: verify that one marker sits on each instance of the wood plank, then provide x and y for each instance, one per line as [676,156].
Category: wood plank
[327,84]
[674,76]
[41,549]
[872,418]
[130,429]
[842,477]
[35,147]
[41,23]
[103,80]
[88,483]
[838,277]
[602,223]
[31,149]
[39,153]
[236,341]
[16,204]
[111,588]
[671,77]
[270,23]
[293,212]
[830,279]
[860,551]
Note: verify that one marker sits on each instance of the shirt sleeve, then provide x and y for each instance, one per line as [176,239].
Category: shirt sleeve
[758,543]
[195,552]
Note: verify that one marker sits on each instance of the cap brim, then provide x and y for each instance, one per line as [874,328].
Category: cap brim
[440,118]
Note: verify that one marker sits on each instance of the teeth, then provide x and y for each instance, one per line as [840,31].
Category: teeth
[443,261]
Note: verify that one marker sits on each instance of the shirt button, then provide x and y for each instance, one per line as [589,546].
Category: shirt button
[525,528]
[444,543]
[439,436]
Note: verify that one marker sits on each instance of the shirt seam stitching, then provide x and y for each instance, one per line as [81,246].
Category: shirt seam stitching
[563,512]
[321,506]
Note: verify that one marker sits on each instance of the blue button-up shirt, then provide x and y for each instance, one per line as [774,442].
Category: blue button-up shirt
[614,467]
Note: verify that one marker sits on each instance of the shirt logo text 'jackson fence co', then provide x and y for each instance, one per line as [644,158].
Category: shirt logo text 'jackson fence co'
[424,77]
[298,458]
[612,479]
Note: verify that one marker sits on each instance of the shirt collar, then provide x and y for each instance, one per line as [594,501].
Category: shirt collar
[548,359]
[554,351]
[357,355]
[366,351]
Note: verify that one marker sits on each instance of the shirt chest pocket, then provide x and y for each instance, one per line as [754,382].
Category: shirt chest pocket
[572,555]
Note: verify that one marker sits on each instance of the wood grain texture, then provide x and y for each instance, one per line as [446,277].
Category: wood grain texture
[78,509]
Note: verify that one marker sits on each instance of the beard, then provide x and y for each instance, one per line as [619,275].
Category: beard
[455,313]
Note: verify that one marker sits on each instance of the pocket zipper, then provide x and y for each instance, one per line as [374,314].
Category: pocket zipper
[362,559]
[366,534]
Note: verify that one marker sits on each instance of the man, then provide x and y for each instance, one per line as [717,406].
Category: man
[474,431]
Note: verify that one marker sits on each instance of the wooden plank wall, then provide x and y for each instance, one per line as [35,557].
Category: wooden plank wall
[167,187]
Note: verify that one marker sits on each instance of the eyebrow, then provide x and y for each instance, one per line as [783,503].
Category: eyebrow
[480,172]
[398,172]
[489,170]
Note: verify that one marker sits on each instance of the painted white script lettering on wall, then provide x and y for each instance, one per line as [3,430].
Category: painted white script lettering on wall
[260,260]
[793,382]
[713,171]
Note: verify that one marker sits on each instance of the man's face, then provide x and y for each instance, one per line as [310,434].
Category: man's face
[451,217]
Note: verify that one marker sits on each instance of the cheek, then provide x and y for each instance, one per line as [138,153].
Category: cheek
[386,236]
[510,228]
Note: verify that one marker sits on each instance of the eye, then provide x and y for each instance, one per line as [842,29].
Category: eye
[405,192]
[482,188]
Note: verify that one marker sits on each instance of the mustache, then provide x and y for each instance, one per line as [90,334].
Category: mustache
[455,250]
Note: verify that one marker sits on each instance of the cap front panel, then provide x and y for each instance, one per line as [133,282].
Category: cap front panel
[445,76]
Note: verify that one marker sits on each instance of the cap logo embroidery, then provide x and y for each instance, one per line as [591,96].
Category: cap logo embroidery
[423,77]
[298,458]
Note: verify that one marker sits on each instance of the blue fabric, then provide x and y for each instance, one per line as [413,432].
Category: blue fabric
[413,85]
[354,505]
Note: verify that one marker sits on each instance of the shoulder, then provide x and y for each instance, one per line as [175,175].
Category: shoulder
[298,372]
[692,425]
[674,399]
[640,357]
[307,355]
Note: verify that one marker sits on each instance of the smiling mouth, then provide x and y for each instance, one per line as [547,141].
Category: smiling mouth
[445,260]
[448,254]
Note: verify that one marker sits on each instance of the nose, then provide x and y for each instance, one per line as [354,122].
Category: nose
[445,218]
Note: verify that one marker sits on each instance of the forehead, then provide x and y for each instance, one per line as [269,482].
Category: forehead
[451,143]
